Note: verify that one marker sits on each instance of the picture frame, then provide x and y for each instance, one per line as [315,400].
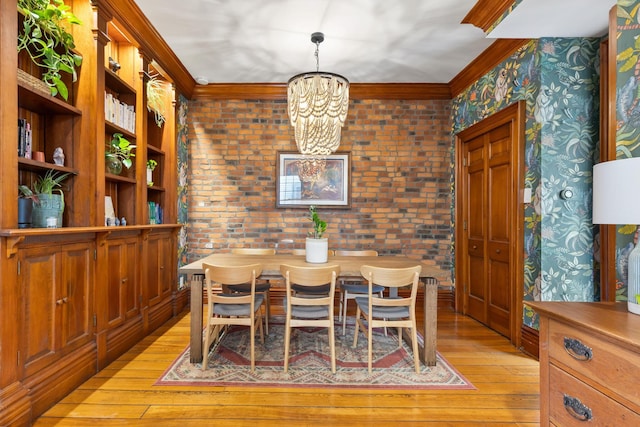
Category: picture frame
[323,181]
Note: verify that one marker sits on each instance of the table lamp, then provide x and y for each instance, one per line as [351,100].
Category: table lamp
[616,200]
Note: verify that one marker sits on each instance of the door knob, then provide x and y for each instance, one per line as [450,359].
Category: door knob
[497,251]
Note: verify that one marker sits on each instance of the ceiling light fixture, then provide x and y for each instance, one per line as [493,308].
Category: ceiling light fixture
[318,103]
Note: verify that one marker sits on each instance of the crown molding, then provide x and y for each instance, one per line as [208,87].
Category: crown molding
[485,62]
[486,12]
[278,91]
[150,41]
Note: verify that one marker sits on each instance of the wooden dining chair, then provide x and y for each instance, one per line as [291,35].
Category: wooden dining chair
[231,309]
[305,309]
[322,290]
[399,312]
[263,286]
[352,287]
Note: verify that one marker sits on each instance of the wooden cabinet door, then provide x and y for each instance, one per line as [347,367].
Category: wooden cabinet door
[122,283]
[167,265]
[39,281]
[75,293]
[131,284]
[153,272]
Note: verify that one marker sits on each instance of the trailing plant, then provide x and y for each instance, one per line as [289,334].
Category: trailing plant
[319,226]
[151,164]
[45,37]
[155,100]
[120,147]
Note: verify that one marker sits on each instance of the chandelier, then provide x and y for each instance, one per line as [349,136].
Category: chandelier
[318,103]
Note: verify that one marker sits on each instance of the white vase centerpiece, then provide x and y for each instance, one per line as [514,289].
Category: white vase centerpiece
[151,165]
[316,246]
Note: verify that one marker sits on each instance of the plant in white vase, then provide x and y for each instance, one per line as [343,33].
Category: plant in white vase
[151,166]
[316,246]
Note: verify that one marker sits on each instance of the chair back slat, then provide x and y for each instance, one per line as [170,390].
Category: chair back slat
[366,252]
[253,251]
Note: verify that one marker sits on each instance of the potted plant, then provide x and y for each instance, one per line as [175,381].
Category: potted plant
[155,100]
[45,37]
[26,199]
[151,166]
[118,153]
[316,246]
[49,200]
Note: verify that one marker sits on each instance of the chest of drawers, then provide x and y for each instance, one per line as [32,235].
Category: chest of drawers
[589,364]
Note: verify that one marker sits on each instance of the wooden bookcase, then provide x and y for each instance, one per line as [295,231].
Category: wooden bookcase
[76,297]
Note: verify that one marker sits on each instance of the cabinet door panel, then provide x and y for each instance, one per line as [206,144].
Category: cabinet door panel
[153,275]
[115,313]
[38,282]
[77,267]
[131,288]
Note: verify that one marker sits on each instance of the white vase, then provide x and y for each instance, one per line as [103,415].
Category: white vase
[149,177]
[317,250]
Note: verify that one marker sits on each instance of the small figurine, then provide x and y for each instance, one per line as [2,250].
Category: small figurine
[58,156]
[114,65]
[123,222]
[116,222]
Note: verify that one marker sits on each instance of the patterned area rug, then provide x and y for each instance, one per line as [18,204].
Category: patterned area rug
[310,363]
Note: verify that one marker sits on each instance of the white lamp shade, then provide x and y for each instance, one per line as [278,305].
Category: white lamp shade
[616,192]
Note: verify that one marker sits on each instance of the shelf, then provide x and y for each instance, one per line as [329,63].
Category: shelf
[42,103]
[156,189]
[36,166]
[114,82]
[155,150]
[113,128]
[118,178]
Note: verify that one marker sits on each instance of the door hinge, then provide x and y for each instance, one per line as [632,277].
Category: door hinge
[18,268]
[464,225]
[95,254]
[95,321]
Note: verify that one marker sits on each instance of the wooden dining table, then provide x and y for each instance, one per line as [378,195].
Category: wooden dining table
[349,268]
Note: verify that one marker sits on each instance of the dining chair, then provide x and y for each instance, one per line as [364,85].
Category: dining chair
[315,290]
[232,309]
[390,311]
[351,287]
[263,286]
[305,309]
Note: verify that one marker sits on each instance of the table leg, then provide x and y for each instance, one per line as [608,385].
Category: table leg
[196,319]
[430,331]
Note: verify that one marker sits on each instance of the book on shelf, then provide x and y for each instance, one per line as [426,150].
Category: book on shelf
[24,139]
[155,213]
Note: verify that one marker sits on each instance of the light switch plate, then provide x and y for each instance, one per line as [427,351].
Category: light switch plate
[527,195]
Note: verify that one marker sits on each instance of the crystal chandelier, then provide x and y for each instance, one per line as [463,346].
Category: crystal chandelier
[318,104]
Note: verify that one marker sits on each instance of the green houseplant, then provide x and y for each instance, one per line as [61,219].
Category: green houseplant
[151,166]
[316,246]
[48,202]
[45,37]
[118,153]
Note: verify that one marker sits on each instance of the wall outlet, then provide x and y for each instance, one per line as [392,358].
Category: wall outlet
[208,245]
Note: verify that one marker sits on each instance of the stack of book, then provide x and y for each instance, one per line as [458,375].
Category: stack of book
[25,143]
[119,113]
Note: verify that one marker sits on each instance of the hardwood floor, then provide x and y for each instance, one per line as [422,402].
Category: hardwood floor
[123,394]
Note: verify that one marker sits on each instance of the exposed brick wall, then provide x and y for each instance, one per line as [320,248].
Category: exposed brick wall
[400,160]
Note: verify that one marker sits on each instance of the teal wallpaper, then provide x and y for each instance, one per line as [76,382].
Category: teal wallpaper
[627,120]
[183,164]
[558,79]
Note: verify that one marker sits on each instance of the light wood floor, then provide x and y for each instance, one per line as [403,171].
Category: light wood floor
[123,394]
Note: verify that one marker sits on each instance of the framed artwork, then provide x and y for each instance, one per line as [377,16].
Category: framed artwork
[303,180]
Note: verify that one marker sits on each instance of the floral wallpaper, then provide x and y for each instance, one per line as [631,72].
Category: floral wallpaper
[183,156]
[627,121]
[558,78]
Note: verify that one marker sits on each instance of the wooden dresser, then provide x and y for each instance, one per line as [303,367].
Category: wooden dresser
[589,364]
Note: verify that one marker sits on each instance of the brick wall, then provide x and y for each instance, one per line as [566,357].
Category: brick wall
[400,179]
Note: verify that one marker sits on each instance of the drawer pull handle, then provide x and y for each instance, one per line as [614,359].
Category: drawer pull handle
[577,349]
[577,409]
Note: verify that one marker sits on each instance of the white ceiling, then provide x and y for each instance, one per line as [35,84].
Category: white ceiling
[367,41]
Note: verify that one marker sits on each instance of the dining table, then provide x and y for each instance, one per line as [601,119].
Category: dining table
[349,269]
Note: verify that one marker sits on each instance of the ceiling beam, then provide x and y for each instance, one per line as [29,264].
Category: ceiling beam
[486,12]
